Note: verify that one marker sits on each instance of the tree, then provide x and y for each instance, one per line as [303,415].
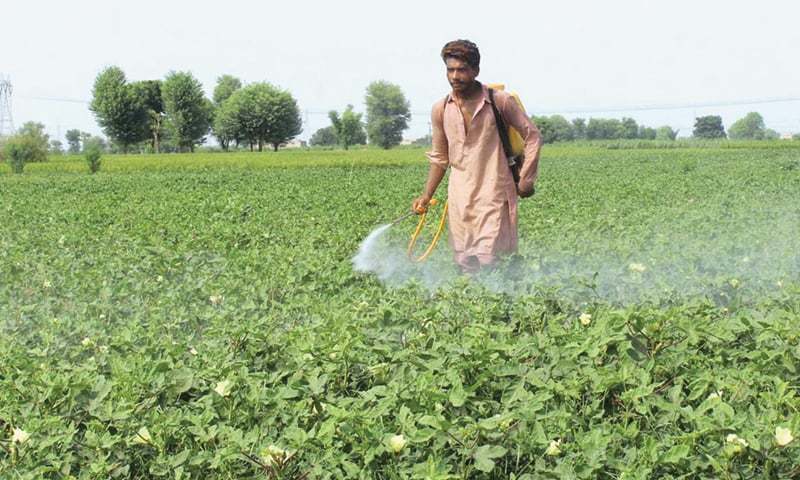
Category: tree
[74,141]
[751,127]
[628,128]
[324,137]
[118,110]
[24,147]
[770,134]
[666,133]
[56,147]
[647,133]
[554,128]
[34,133]
[388,113]
[603,129]
[348,129]
[579,129]
[226,86]
[709,126]
[188,111]
[259,113]
[148,92]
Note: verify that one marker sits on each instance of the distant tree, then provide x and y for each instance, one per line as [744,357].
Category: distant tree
[796,136]
[770,134]
[388,113]
[260,114]
[709,126]
[666,133]
[628,128]
[324,137]
[647,133]
[226,86]
[148,93]
[425,141]
[603,129]
[24,147]
[74,141]
[751,127]
[188,111]
[554,128]
[579,128]
[118,110]
[56,147]
[34,132]
[349,129]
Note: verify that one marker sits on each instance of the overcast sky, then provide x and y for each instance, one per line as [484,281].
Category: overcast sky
[570,57]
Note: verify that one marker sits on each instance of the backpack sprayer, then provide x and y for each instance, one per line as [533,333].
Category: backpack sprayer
[417,231]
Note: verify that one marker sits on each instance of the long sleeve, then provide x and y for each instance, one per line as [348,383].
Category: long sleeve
[439,153]
[517,118]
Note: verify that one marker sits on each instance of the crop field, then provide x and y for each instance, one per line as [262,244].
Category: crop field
[199,316]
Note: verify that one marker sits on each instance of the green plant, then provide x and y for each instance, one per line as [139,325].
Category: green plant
[93,154]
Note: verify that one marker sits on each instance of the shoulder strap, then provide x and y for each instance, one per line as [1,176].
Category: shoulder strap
[502,129]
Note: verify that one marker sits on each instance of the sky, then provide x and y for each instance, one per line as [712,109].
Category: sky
[660,62]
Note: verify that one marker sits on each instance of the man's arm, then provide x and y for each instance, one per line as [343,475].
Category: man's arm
[438,157]
[516,117]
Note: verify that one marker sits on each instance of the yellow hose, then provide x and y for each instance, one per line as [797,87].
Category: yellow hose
[418,230]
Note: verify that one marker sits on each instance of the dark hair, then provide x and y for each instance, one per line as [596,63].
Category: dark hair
[463,50]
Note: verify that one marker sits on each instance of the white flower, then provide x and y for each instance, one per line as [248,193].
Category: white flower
[715,395]
[554,449]
[215,299]
[47,284]
[734,283]
[585,318]
[272,455]
[87,342]
[193,351]
[20,436]
[159,279]
[637,267]
[736,439]
[783,436]
[223,388]
[142,437]
[103,348]
[397,442]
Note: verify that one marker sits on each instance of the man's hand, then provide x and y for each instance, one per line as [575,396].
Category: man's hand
[420,204]
[525,190]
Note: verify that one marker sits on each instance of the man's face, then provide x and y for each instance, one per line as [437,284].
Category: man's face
[460,74]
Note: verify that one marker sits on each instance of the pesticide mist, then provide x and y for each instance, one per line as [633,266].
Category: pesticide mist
[723,259]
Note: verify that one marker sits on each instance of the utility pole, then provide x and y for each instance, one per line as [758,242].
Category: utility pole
[6,120]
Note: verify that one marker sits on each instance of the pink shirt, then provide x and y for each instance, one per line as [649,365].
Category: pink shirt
[481,193]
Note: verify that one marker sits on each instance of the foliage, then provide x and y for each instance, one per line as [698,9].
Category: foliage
[92,153]
[647,133]
[40,141]
[24,147]
[579,128]
[259,114]
[188,112]
[709,126]
[118,109]
[388,113]
[226,85]
[603,128]
[148,92]
[324,137]
[74,141]
[666,133]
[348,129]
[56,147]
[750,127]
[554,128]
[232,339]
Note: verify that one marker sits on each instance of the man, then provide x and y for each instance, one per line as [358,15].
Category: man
[482,194]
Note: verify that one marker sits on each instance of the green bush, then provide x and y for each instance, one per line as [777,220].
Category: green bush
[21,149]
[92,152]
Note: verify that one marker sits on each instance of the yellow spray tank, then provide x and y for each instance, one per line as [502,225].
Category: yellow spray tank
[517,144]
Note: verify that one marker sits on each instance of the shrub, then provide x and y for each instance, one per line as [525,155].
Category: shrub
[21,149]
[92,152]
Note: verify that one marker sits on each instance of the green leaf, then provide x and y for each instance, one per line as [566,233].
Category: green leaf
[484,456]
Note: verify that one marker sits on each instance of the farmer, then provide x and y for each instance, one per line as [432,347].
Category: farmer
[482,194]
